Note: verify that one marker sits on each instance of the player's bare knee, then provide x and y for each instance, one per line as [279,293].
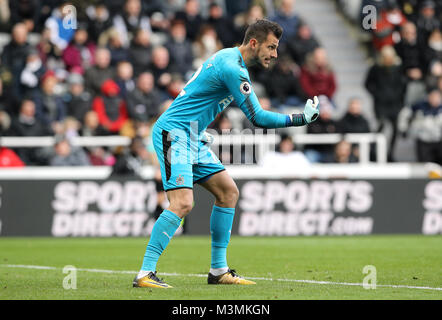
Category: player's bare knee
[181,210]
[181,206]
[229,197]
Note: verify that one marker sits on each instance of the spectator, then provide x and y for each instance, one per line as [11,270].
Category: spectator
[283,83]
[192,18]
[102,71]
[426,127]
[110,108]
[435,46]
[97,20]
[435,73]
[206,44]
[161,67]
[99,156]
[79,54]
[410,52]
[50,105]
[46,49]
[325,124]
[427,20]
[254,13]
[91,126]
[124,78]
[386,84]
[317,77]
[433,56]
[302,43]
[223,25]
[70,127]
[287,19]
[67,155]
[60,33]
[8,158]
[388,23]
[14,56]
[159,22]
[140,51]
[112,40]
[343,153]
[286,157]
[31,74]
[180,49]
[130,20]
[27,125]
[132,159]
[143,103]
[353,121]
[413,63]
[78,101]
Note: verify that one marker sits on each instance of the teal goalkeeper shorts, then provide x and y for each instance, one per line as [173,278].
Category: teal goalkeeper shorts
[183,161]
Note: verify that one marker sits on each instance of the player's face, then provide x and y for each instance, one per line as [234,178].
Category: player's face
[267,51]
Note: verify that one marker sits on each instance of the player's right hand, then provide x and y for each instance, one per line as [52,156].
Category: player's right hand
[311,110]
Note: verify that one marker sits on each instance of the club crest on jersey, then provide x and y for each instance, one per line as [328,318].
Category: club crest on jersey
[245,88]
[180,180]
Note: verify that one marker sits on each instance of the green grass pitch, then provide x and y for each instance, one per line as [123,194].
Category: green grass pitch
[331,264]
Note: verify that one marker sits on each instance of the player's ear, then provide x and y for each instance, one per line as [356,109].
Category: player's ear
[253,43]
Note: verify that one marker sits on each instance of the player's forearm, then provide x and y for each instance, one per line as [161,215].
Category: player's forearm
[272,120]
[269,119]
[263,118]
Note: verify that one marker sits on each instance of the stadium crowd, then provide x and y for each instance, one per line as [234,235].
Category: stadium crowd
[406,79]
[126,61]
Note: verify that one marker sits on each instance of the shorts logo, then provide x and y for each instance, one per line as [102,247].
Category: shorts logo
[180,180]
[245,88]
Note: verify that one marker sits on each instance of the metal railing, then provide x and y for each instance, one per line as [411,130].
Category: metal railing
[264,142]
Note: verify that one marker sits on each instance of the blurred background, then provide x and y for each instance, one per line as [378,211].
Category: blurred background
[79,103]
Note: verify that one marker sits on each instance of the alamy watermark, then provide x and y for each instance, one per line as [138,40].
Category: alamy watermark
[370,279]
[69,13]
[245,146]
[369,20]
[70,281]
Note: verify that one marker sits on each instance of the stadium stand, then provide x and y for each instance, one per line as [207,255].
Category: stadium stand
[127,59]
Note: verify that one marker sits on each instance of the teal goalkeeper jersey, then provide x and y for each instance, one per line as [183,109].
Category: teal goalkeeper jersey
[221,79]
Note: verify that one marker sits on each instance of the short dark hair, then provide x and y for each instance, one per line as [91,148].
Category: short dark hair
[260,29]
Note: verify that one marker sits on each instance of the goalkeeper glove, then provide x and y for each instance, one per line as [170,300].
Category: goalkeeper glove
[207,138]
[310,114]
[311,110]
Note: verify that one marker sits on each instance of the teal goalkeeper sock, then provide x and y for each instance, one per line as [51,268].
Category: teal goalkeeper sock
[221,222]
[162,233]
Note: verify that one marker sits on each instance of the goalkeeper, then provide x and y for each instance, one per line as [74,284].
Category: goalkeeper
[186,158]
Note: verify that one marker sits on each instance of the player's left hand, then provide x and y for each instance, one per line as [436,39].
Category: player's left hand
[311,110]
[207,138]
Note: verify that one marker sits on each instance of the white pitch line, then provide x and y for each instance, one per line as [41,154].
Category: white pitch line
[205,275]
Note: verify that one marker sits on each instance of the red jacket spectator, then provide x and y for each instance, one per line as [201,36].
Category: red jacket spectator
[110,107]
[317,77]
[79,54]
[9,158]
[388,22]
